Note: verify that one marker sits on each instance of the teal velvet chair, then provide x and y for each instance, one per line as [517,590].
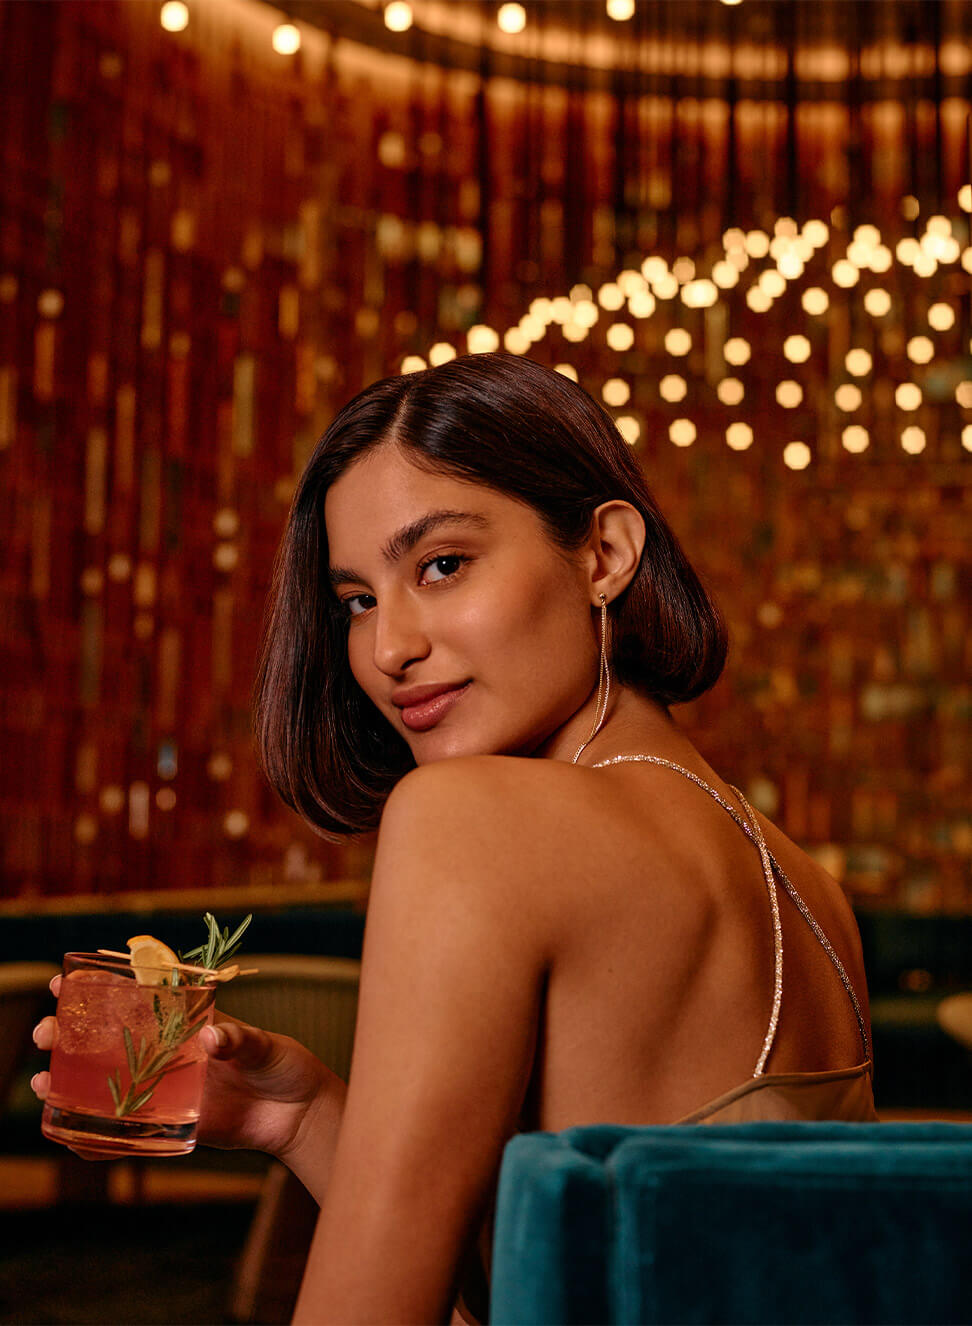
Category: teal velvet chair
[749,1223]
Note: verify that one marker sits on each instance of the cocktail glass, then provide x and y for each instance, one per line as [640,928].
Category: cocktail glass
[127,1069]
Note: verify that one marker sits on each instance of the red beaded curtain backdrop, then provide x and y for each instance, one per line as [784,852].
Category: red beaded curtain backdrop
[744,228]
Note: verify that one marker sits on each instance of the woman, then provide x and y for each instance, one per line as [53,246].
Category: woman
[479,622]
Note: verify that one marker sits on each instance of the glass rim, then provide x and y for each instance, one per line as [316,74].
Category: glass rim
[107,963]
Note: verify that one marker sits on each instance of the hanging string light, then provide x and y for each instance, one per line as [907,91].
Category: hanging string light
[285,39]
[511,18]
[398,16]
[174,16]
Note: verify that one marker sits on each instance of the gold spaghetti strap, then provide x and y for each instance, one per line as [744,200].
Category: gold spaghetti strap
[755,834]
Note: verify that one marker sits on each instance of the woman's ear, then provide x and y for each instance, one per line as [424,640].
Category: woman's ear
[614,548]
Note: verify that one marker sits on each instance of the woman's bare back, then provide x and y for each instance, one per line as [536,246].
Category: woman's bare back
[661,987]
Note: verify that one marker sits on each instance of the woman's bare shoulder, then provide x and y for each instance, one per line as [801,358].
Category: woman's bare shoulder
[471,786]
[495,814]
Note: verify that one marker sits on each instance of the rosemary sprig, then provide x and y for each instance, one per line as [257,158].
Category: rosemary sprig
[219,946]
[149,1063]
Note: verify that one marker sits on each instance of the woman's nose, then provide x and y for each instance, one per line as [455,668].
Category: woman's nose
[399,638]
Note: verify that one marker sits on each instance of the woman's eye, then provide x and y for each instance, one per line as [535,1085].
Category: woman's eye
[440,568]
[359,603]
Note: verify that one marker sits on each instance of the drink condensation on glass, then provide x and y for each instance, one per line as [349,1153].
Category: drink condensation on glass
[127,1069]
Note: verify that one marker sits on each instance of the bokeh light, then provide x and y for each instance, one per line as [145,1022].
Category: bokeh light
[616,392]
[877,302]
[678,342]
[772,283]
[815,301]
[672,387]
[285,39]
[920,349]
[854,438]
[682,432]
[641,304]
[941,317]
[858,362]
[845,274]
[629,428]
[737,351]
[739,436]
[725,275]
[907,396]
[174,16]
[398,16]
[913,440]
[481,339]
[796,455]
[847,397]
[797,349]
[789,394]
[511,18]
[730,391]
[610,296]
[619,336]
[758,300]
[700,294]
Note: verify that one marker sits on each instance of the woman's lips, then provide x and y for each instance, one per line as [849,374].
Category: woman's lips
[421,717]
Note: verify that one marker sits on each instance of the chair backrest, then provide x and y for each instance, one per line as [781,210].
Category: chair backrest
[313,999]
[24,997]
[755,1223]
[954,1015]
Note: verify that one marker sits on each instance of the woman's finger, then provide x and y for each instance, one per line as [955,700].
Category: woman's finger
[45,1033]
[251,1048]
[40,1084]
[55,985]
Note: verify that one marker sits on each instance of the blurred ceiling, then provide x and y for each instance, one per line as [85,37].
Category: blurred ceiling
[706,43]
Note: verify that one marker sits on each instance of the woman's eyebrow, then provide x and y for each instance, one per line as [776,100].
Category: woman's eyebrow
[405,539]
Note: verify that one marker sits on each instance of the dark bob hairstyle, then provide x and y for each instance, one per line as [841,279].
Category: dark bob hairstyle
[525,431]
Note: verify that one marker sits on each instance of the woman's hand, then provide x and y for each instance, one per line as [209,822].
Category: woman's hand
[262,1089]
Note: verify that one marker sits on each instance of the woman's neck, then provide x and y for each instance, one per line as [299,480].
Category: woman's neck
[634,723]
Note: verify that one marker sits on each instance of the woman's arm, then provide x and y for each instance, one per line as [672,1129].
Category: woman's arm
[451,987]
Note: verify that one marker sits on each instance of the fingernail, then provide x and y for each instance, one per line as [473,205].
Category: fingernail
[219,1036]
[33,1034]
[33,1081]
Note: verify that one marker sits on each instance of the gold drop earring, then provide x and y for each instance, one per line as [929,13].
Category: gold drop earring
[603,684]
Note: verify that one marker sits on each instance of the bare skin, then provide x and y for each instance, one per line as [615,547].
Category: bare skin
[548,944]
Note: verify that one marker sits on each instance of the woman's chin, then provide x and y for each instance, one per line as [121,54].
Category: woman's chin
[438,745]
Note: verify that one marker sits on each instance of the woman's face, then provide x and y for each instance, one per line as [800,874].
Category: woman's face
[467,628]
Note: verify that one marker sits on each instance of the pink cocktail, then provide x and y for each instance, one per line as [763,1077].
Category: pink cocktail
[127,1069]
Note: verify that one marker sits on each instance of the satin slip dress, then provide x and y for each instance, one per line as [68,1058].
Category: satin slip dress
[842,1094]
